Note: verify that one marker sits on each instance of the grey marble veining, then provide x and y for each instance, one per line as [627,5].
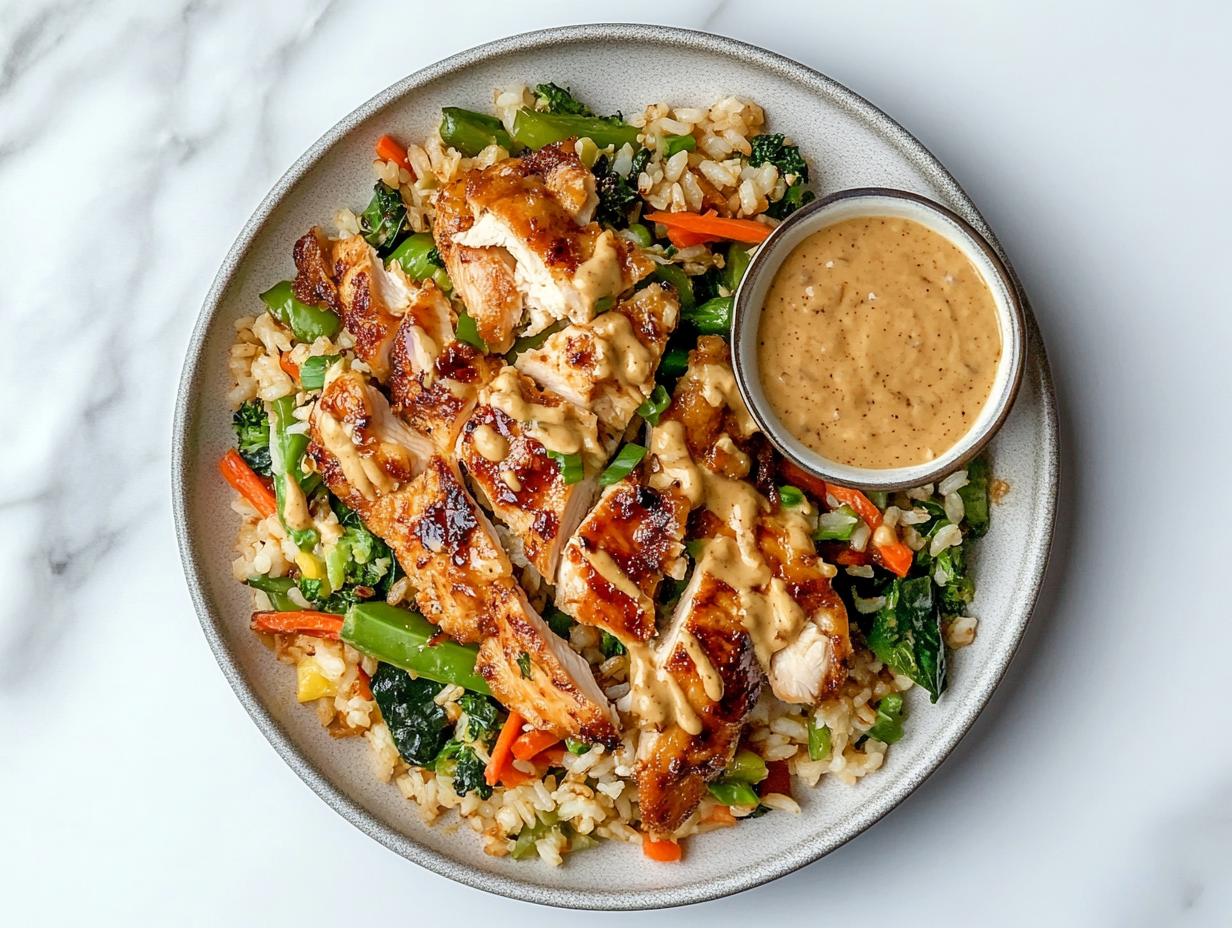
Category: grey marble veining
[135,140]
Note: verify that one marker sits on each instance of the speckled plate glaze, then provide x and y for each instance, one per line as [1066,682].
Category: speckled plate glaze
[613,67]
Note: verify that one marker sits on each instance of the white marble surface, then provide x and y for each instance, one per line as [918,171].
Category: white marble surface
[136,138]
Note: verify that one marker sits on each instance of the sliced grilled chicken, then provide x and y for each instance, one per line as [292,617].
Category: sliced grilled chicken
[524,486]
[348,277]
[482,277]
[607,365]
[615,561]
[434,377]
[811,664]
[569,181]
[706,669]
[561,269]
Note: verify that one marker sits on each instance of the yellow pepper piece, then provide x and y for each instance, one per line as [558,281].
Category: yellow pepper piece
[311,683]
[311,566]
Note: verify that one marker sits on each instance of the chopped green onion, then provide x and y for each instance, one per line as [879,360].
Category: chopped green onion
[677,143]
[658,401]
[468,332]
[577,748]
[312,371]
[791,497]
[570,466]
[628,458]
[889,724]
[837,524]
[818,741]
[642,234]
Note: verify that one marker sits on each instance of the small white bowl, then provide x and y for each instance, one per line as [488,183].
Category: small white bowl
[896,204]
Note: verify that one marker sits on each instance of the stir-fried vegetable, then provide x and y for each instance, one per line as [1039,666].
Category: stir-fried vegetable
[746,766]
[417,255]
[288,442]
[714,317]
[654,405]
[737,262]
[620,468]
[906,634]
[818,740]
[610,645]
[312,371]
[571,470]
[837,524]
[470,133]
[307,323]
[794,197]
[468,332]
[252,435]
[975,497]
[389,150]
[616,195]
[384,222]
[534,129]
[501,753]
[713,227]
[733,793]
[671,274]
[889,724]
[561,101]
[278,590]
[418,726]
[302,622]
[242,479]
[770,149]
[677,143]
[406,639]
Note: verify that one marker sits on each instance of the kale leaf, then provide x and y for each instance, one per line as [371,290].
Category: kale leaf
[252,433]
[769,149]
[418,726]
[560,101]
[482,717]
[558,621]
[468,774]
[616,195]
[906,634]
[795,197]
[611,645]
[383,223]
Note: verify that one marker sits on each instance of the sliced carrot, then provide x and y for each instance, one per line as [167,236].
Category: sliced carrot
[244,480]
[863,506]
[711,224]
[720,815]
[896,557]
[682,238]
[530,743]
[511,776]
[291,368]
[550,757]
[317,624]
[778,779]
[389,150]
[664,851]
[504,743]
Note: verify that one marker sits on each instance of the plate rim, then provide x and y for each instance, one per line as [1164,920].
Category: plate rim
[984,683]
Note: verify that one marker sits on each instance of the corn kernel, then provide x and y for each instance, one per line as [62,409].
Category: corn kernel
[311,683]
[311,566]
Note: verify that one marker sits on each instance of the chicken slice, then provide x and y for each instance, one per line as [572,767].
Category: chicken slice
[561,269]
[615,561]
[706,676]
[566,178]
[482,277]
[607,365]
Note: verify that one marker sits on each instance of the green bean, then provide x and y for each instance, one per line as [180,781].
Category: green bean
[402,638]
[286,461]
[278,590]
[738,260]
[818,741]
[747,767]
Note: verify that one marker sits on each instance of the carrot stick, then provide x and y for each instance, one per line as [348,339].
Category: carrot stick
[500,753]
[245,482]
[531,743]
[389,150]
[863,506]
[664,851]
[896,557]
[682,238]
[550,757]
[720,815]
[511,776]
[796,475]
[291,368]
[850,557]
[363,684]
[317,624]
[741,230]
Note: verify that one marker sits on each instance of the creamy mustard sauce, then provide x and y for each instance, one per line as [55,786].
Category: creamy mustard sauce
[564,429]
[610,571]
[878,343]
[490,443]
[654,695]
[622,357]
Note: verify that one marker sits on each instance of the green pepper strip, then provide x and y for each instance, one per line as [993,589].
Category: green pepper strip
[307,322]
[628,458]
[714,317]
[534,130]
[670,274]
[470,133]
[468,332]
[286,459]
[402,637]
[312,371]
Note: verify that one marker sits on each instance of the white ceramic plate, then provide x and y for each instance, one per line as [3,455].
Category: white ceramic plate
[850,144]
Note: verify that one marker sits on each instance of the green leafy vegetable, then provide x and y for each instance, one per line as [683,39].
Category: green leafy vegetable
[558,621]
[252,435]
[470,133]
[561,101]
[482,717]
[654,405]
[837,524]
[640,161]
[384,221]
[616,195]
[770,149]
[468,332]
[975,497]
[417,725]
[906,634]
[468,774]
[795,197]
[818,740]
[312,371]
[714,317]
[524,667]
[889,724]
[611,646]
[620,468]
[676,143]
[307,323]
[571,470]
[674,363]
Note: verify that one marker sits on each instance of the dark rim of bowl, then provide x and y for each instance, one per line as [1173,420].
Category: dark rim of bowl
[977,690]
[764,262]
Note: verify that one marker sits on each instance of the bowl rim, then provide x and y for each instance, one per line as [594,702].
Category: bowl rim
[747,313]
[983,683]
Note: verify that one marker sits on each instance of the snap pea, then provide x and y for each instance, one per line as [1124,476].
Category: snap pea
[307,322]
[401,637]
[733,793]
[470,133]
[748,767]
[676,143]
[278,590]
[534,129]
[714,317]
[737,263]
[312,371]
[642,234]
[628,458]
[670,274]
[418,256]
[287,449]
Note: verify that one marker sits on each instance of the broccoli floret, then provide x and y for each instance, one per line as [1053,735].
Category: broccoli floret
[383,223]
[560,101]
[769,149]
[252,434]
[616,195]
